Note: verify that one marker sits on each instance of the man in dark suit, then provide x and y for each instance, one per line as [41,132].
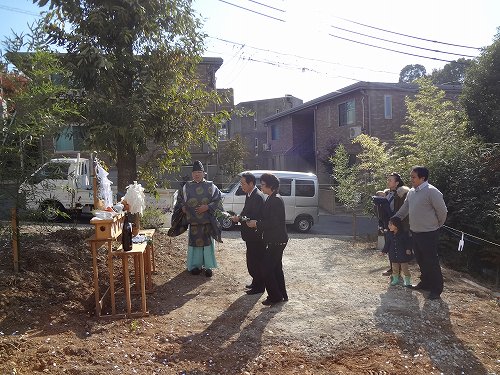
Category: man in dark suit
[254,204]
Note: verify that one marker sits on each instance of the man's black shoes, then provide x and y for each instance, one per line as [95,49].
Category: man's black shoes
[433,296]
[268,302]
[417,287]
[195,271]
[254,291]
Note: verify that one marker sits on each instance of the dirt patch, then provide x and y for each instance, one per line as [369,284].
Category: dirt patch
[342,317]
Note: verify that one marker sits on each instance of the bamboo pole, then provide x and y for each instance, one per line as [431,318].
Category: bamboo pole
[94,180]
[15,239]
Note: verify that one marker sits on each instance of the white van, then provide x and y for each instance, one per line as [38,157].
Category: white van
[298,190]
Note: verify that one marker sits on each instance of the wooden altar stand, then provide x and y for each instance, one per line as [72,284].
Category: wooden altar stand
[142,254]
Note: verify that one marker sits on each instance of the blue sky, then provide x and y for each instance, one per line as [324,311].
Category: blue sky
[297,47]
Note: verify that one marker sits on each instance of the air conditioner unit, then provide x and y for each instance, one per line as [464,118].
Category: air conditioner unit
[354,131]
[266,147]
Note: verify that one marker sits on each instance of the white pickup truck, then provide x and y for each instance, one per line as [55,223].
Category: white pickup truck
[60,185]
[64,185]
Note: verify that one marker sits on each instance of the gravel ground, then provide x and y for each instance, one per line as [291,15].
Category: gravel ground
[342,316]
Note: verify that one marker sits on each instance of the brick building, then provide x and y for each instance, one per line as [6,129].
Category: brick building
[301,138]
[247,122]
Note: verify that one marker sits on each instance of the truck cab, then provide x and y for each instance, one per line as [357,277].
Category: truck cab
[60,185]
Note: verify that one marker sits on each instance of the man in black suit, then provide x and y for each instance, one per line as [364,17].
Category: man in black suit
[254,204]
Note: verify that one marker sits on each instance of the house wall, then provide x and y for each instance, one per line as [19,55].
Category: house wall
[302,157]
[383,128]
[369,116]
[329,133]
[251,127]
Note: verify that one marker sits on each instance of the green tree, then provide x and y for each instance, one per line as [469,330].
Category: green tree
[375,164]
[452,73]
[347,188]
[233,153]
[481,93]
[412,72]
[346,177]
[434,135]
[463,168]
[37,106]
[139,71]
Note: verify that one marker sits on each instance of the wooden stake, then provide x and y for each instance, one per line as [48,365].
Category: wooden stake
[15,239]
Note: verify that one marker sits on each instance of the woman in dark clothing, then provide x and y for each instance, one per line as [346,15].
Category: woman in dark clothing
[273,229]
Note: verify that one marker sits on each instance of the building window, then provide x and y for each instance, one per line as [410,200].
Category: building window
[277,110]
[255,123]
[275,134]
[256,143]
[223,133]
[70,139]
[388,106]
[347,113]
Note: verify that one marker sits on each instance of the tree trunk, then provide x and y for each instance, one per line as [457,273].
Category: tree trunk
[126,163]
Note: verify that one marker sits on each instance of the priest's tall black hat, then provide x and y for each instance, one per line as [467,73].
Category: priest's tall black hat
[198,166]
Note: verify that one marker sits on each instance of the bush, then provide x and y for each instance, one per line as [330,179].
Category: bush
[153,218]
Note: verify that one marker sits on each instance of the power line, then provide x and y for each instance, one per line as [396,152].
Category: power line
[250,10]
[268,6]
[371,45]
[406,35]
[18,10]
[392,50]
[295,67]
[402,44]
[300,57]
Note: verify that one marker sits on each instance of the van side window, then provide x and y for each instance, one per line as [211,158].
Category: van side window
[239,191]
[285,188]
[304,188]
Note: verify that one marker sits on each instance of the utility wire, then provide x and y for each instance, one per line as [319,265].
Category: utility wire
[18,10]
[301,57]
[302,69]
[392,50]
[253,11]
[367,44]
[402,44]
[268,6]
[406,35]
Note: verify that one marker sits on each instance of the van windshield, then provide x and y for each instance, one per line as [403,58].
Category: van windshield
[231,185]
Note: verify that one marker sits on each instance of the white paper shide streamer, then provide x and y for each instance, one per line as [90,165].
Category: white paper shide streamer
[135,198]
[104,192]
